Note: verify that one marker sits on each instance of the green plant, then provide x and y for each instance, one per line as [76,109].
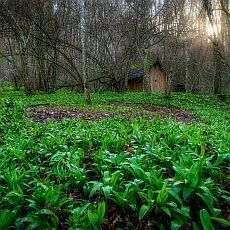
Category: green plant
[79,216]
[206,220]
[164,172]
[96,218]
[6,218]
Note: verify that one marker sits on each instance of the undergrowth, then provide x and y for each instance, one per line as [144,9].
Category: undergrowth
[114,173]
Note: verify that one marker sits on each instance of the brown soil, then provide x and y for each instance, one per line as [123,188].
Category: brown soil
[45,113]
[174,113]
[162,111]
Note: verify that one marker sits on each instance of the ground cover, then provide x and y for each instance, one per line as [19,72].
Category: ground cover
[44,113]
[127,172]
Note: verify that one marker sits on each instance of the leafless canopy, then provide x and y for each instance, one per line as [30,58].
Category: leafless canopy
[90,45]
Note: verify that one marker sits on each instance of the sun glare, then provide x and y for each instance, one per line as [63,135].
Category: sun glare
[212,30]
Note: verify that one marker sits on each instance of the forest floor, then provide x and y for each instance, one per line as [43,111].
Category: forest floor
[44,113]
[129,161]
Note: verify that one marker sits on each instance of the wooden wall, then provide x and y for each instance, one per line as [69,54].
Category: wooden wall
[157,79]
[135,86]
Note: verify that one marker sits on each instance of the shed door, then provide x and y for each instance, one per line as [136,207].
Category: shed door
[157,79]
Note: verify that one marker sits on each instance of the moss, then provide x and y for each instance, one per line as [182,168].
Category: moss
[140,65]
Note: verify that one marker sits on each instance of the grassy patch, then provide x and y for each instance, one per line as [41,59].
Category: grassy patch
[115,172]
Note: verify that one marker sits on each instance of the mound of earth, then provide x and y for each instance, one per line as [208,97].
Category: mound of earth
[174,113]
[45,112]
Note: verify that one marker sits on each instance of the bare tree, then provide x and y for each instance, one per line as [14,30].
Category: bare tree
[83,40]
[91,45]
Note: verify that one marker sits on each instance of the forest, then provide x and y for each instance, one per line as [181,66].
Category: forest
[114,114]
[92,45]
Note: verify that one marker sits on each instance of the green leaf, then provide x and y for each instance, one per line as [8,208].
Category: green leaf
[205,220]
[222,221]
[185,211]
[96,187]
[49,213]
[216,212]
[35,225]
[186,192]
[176,224]
[195,227]
[206,196]
[166,210]
[179,171]
[6,217]
[93,217]
[144,197]
[139,172]
[101,212]
[79,211]
[107,191]
[115,177]
[163,195]
[175,196]
[143,211]
[119,199]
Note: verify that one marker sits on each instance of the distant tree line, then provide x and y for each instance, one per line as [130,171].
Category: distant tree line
[90,45]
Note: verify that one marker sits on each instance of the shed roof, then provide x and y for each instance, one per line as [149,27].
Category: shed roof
[137,72]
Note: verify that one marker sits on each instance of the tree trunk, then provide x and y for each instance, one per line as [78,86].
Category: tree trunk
[187,70]
[218,66]
[218,56]
[146,79]
[88,100]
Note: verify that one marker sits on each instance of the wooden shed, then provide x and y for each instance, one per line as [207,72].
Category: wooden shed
[157,78]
